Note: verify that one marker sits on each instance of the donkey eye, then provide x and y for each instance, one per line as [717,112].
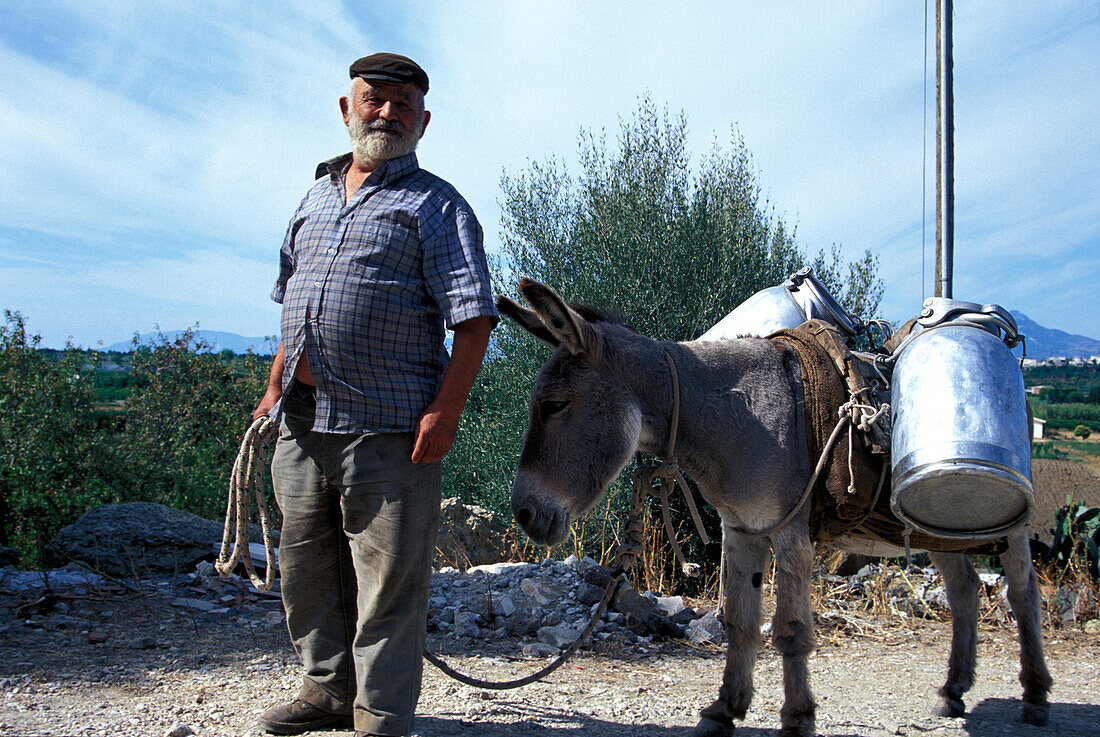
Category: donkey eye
[550,407]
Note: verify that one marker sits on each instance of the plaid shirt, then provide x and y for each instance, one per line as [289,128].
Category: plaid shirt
[366,287]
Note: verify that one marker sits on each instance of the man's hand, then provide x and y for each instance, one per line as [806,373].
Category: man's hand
[435,433]
[271,396]
[436,428]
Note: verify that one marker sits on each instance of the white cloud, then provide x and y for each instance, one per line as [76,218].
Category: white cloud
[176,149]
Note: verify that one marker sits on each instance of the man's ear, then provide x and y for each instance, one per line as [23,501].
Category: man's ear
[427,119]
[563,322]
[344,103]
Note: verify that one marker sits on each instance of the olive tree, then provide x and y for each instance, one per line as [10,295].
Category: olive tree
[670,248]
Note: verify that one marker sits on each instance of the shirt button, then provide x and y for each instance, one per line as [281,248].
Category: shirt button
[316,283]
[332,250]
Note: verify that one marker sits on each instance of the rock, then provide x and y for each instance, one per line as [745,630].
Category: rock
[179,729]
[705,629]
[852,563]
[670,605]
[465,624]
[989,578]
[140,538]
[551,618]
[684,616]
[57,580]
[560,637]
[588,594]
[9,556]
[538,650]
[643,616]
[1092,627]
[541,592]
[506,606]
[143,643]
[468,535]
[522,624]
[597,575]
[97,637]
[198,604]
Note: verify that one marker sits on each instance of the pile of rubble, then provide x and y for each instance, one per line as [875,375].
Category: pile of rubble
[548,604]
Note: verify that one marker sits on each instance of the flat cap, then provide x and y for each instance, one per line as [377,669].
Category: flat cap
[392,68]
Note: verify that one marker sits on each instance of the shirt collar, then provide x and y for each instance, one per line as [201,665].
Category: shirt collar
[389,171]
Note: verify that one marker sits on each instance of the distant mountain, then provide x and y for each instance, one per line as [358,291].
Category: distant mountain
[217,340]
[1046,342]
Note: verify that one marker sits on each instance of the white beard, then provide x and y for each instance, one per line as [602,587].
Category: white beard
[372,144]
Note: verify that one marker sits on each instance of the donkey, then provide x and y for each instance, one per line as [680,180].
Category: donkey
[605,393]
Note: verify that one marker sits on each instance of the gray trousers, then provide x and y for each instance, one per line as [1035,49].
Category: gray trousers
[355,553]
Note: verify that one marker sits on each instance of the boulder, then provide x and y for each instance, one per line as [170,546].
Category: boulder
[140,538]
[468,536]
[9,556]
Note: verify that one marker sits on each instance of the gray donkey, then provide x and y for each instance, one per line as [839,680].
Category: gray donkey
[606,393]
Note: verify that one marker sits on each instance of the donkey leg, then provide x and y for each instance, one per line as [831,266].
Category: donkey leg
[746,562]
[961,581]
[1023,595]
[793,626]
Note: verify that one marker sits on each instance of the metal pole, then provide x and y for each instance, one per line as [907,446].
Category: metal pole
[945,153]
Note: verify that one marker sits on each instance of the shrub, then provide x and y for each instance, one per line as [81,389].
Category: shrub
[1082,431]
[184,421]
[55,461]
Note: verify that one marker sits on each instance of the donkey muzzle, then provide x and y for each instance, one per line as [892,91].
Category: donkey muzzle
[542,516]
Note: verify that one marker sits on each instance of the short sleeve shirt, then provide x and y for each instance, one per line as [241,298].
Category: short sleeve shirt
[367,287]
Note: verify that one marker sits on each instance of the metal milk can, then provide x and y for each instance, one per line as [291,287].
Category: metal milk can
[783,307]
[961,448]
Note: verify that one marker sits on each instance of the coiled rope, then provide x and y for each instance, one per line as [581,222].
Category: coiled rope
[248,475]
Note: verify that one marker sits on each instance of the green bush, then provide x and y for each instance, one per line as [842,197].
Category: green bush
[1082,431]
[55,461]
[184,421]
[173,441]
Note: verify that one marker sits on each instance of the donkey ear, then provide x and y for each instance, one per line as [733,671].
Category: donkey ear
[566,325]
[526,319]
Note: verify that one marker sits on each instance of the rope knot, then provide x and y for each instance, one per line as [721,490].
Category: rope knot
[666,470]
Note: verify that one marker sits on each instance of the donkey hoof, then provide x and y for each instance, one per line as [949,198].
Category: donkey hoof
[952,707]
[1036,714]
[798,725]
[711,727]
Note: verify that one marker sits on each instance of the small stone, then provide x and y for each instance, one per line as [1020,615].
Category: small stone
[538,650]
[97,637]
[670,605]
[540,592]
[588,594]
[179,729]
[144,643]
[198,604]
[506,606]
[1092,627]
[465,624]
[560,637]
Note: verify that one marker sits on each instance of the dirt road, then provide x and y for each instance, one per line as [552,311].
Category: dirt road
[160,667]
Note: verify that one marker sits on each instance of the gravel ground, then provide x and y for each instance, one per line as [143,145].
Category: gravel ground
[130,664]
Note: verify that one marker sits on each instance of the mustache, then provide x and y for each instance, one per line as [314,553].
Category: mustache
[392,126]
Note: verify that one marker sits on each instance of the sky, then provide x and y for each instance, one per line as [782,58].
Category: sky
[151,153]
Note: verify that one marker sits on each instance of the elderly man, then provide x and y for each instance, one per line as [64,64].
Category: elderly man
[379,256]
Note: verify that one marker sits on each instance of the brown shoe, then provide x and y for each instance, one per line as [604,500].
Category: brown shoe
[300,716]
